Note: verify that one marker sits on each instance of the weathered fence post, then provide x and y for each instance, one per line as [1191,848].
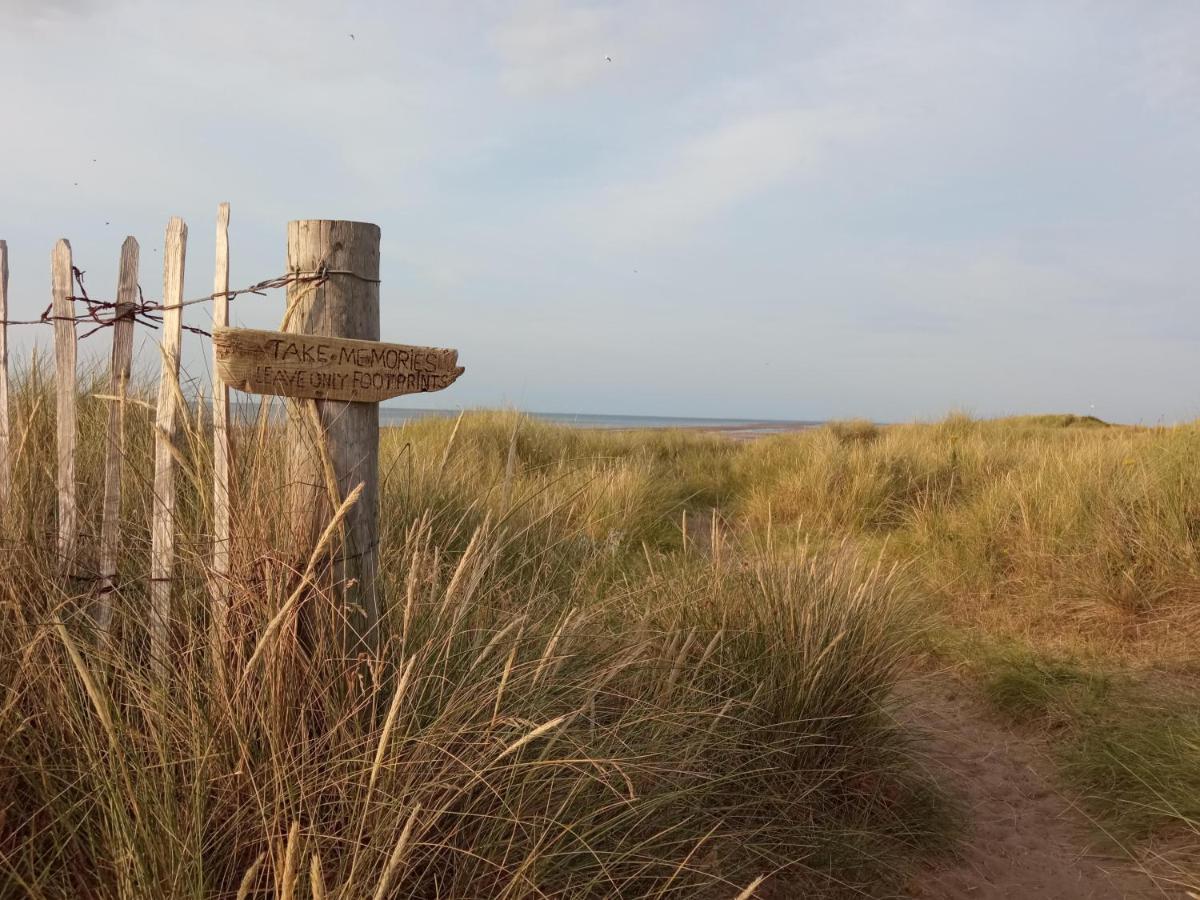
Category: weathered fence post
[162,528]
[63,309]
[114,451]
[221,447]
[345,305]
[5,465]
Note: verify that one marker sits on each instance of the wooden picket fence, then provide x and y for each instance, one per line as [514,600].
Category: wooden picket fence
[121,316]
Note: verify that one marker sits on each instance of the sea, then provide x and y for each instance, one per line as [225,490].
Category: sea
[396,415]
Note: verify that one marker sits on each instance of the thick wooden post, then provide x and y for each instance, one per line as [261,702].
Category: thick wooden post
[332,445]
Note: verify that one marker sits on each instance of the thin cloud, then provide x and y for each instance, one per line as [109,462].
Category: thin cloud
[552,47]
[43,11]
[1166,66]
[706,175]
[548,46]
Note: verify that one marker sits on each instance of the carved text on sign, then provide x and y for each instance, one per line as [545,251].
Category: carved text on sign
[328,368]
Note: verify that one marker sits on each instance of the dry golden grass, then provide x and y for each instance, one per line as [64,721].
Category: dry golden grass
[565,702]
[1061,558]
[613,664]
[1058,532]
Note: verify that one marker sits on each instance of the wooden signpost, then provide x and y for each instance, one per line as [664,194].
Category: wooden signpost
[326,368]
[330,362]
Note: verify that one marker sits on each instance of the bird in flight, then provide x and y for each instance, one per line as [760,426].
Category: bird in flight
[351,37]
[608,59]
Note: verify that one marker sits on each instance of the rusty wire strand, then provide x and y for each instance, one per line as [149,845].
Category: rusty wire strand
[149,312]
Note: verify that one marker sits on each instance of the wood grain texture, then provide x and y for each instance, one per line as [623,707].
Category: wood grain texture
[162,525]
[343,433]
[63,309]
[219,583]
[5,459]
[114,450]
[325,368]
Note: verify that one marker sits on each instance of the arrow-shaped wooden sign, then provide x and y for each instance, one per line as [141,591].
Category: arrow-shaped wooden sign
[328,368]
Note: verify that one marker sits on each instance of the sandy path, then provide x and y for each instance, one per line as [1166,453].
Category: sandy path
[1025,840]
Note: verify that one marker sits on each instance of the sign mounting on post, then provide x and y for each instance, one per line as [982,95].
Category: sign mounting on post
[329,368]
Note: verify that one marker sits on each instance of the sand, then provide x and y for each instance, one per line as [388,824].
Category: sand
[1026,839]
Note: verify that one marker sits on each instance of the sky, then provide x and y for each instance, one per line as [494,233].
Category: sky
[790,210]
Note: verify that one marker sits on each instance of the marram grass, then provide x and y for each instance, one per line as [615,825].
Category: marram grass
[567,701]
[1055,531]
[613,664]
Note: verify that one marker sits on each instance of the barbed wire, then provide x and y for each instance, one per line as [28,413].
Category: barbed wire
[150,312]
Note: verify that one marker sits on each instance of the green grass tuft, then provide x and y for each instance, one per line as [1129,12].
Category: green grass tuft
[1025,687]
[1129,747]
